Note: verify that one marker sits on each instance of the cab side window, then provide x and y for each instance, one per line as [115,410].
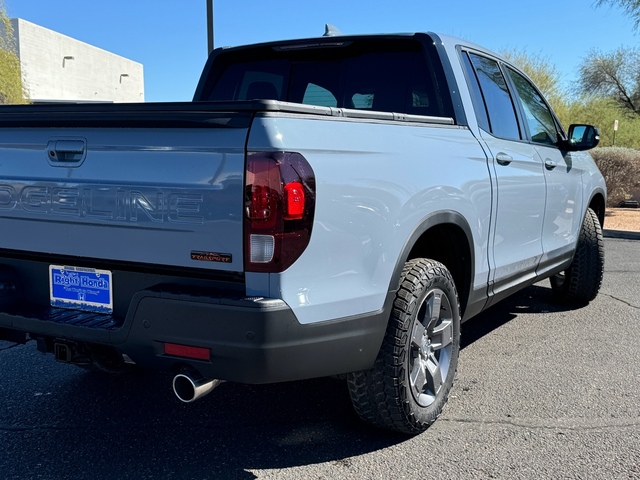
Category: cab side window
[497,99]
[538,116]
[476,94]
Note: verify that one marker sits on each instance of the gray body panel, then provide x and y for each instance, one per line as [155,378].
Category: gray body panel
[377,183]
[141,195]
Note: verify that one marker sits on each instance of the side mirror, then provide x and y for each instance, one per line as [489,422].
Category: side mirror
[581,137]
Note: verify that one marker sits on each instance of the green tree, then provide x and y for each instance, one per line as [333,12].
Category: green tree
[541,71]
[593,109]
[613,75]
[11,86]
[546,77]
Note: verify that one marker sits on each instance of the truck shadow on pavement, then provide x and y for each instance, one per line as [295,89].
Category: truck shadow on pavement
[93,426]
[134,427]
[531,300]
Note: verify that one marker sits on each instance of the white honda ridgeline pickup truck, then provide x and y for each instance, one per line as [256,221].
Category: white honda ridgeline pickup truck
[327,206]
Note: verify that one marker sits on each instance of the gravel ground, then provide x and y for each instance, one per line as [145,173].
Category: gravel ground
[622,219]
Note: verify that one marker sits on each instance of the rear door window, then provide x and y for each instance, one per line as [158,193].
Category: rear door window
[476,94]
[497,99]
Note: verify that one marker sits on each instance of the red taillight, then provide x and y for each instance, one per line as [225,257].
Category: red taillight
[262,187]
[293,201]
[279,209]
[260,203]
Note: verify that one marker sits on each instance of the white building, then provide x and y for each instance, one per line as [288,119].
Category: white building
[57,68]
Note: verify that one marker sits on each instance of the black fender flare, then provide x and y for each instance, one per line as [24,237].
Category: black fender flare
[441,218]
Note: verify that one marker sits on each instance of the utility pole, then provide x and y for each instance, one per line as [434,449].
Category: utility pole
[210,25]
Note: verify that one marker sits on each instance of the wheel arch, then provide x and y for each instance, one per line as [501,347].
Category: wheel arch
[598,205]
[445,237]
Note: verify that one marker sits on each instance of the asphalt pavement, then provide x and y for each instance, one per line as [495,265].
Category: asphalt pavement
[542,391]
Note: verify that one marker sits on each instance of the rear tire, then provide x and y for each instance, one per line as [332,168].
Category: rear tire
[580,283]
[409,383]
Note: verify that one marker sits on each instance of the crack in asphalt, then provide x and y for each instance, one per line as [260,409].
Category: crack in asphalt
[572,424]
[622,301]
[575,425]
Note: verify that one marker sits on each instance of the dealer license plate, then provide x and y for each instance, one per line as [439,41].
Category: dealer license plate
[81,288]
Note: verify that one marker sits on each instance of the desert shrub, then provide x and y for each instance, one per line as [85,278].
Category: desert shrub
[621,169]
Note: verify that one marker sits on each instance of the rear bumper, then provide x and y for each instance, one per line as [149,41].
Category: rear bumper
[250,340]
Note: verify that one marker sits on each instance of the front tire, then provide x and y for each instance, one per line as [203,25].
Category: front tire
[580,283]
[409,383]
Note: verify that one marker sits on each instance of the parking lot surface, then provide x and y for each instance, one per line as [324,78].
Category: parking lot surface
[542,391]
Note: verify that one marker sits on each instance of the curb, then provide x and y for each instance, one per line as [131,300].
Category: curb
[622,234]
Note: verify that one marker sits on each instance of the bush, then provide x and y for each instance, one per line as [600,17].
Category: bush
[602,113]
[621,170]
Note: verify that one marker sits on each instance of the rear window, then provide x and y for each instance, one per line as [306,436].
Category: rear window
[389,75]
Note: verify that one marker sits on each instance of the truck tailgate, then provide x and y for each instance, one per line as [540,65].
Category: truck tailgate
[143,183]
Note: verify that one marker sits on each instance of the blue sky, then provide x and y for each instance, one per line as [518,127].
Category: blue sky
[170,37]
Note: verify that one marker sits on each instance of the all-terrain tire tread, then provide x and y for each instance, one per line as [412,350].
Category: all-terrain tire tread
[583,279]
[377,394]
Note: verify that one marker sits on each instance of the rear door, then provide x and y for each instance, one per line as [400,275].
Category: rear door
[519,190]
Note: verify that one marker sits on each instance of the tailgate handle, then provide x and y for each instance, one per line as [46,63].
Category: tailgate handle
[67,152]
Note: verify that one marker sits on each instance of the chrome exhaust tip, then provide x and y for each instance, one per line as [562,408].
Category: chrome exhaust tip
[190,386]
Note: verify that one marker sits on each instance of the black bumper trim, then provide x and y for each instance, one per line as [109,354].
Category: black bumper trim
[251,340]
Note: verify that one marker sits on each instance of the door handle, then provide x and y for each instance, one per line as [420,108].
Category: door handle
[503,159]
[550,164]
